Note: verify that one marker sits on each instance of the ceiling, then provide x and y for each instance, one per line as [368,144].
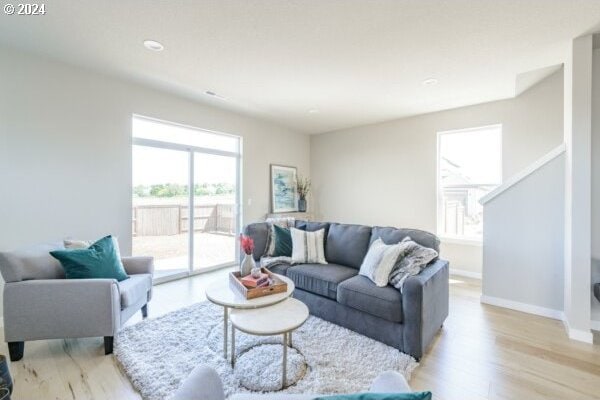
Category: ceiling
[355,61]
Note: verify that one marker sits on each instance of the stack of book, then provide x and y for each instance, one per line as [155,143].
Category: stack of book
[251,282]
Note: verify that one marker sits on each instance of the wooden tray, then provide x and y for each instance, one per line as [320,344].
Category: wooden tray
[278,286]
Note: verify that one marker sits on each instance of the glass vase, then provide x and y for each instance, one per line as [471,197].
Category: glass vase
[302,205]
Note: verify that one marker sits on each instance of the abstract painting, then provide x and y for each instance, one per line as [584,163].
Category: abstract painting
[283,189]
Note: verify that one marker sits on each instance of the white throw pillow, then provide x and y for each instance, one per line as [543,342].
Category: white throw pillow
[308,247]
[379,261]
[77,243]
[372,259]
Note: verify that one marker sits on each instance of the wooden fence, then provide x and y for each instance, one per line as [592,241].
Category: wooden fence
[162,220]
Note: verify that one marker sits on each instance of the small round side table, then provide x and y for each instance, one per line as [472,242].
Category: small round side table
[221,293]
[279,319]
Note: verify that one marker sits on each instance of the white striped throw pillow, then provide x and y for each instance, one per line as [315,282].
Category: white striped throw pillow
[308,247]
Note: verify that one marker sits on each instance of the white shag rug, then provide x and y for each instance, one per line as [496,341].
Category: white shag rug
[158,354]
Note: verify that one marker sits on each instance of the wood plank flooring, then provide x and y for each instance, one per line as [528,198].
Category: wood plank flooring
[483,352]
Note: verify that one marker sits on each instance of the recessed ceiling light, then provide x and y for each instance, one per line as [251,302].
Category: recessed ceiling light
[153,45]
[430,82]
[313,111]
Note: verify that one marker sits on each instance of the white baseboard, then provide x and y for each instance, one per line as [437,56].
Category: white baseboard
[574,334]
[465,273]
[578,334]
[523,307]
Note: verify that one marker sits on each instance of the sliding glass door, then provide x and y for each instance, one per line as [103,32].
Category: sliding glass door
[160,200]
[185,187]
[215,194]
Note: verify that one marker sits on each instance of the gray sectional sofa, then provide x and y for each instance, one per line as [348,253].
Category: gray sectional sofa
[336,293]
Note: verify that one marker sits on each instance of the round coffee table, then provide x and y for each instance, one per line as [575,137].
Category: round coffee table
[221,293]
[279,319]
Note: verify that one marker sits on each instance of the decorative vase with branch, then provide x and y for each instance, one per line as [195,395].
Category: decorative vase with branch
[303,189]
[248,262]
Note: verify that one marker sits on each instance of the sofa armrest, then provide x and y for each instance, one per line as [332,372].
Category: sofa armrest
[425,299]
[61,308]
[138,265]
[202,383]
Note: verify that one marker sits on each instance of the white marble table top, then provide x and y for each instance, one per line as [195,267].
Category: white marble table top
[273,320]
[220,292]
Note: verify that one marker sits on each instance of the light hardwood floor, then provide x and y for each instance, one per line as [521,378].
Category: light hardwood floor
[483,352]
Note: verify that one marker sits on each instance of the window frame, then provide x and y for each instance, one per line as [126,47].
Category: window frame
[459,239]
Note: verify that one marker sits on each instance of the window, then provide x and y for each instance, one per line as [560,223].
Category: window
[146,128]
[469,167]
[185,197]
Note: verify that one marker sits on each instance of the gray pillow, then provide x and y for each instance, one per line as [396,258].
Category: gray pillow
[412,260]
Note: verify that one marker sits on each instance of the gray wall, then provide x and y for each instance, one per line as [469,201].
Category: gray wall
[523,240]
[386,173]
[65,149]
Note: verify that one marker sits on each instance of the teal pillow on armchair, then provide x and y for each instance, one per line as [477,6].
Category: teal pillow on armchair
[100,260]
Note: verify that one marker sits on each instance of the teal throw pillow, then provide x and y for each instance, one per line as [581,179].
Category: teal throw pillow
[100,260]
[283,242]
[379,396]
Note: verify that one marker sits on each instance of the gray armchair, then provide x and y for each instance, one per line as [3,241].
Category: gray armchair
[39,303]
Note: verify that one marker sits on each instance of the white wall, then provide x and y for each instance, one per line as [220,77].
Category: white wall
[523,248]
[386,173]
[578,191]
[596,182]
[65,149]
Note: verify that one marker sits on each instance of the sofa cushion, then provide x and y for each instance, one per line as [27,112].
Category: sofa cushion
[279,268]
[347,244]
[391,235]
[320,279]
[311,226]
[34,262]
[259,232]
[134,289]
[362,294]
